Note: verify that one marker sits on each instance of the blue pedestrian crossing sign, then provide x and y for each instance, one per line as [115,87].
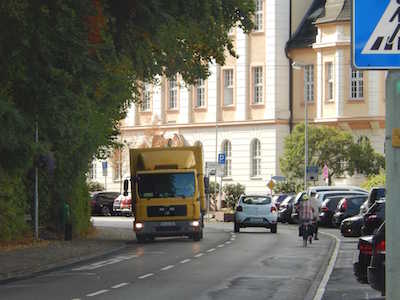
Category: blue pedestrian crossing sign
[221,158]
[376,34]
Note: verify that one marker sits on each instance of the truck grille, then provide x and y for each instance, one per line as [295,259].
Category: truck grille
[167,211]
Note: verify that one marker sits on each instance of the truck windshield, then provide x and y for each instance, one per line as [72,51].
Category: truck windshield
[166,185]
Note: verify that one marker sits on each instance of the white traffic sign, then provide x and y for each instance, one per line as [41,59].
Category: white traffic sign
[376,34]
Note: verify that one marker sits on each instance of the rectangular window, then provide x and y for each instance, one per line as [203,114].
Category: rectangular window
[228,87]
[257,85]
[92,171]
[145,105]
[309,83]
[172,94]
[200,93]
[258,21]
[357,84]
[329,81]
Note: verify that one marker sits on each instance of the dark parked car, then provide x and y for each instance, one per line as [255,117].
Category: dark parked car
[360,267]
[376,269]
[376,194]
[285,209]
[347,207]
[374,218]
[295,210]
[102,203]
[278,198]
[328,208]
[352,226]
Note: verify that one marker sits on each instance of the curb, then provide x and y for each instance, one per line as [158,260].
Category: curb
[315,287]
[51,267]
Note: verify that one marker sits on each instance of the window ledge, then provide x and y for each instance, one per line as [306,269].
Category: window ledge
[229,107]
[200,108]
[173,110]
[356,100]
[258,177]
[145,112]
[258,105]
[258,32]
[227,178]
[310,103]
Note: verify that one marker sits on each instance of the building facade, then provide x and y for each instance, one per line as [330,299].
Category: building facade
[247,107]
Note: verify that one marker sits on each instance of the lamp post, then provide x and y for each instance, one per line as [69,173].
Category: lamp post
[301,66]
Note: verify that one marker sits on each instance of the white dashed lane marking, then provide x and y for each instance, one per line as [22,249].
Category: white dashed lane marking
[97,293]
[199,255]
[119,285]
[185,261]
[145,276]
[220,246]
[211,250]
[167,268]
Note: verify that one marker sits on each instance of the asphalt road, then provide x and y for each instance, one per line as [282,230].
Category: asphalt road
[254,264]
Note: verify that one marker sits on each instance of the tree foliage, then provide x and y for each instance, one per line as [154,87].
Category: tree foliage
[329,146]
[72,68]
[374,181]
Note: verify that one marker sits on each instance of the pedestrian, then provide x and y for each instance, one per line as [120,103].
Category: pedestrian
[306,213]
[316,206]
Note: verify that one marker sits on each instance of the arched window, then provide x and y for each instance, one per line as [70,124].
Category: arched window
[227,149]
[255,150]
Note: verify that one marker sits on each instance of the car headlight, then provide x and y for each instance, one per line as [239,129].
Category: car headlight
[139,225]
[195,223]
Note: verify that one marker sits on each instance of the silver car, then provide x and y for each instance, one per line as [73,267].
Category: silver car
[256,211]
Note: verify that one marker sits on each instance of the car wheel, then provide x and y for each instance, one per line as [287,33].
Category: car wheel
[105,211]
[274,228]
[236,227]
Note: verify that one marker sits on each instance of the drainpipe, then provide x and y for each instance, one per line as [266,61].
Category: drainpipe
[290,71]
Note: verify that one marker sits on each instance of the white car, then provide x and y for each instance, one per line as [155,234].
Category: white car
[256,211]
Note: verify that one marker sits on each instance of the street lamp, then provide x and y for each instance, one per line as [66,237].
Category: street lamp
[301,66]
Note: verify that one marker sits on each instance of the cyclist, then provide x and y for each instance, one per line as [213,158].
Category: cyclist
[306,216]
[316,205]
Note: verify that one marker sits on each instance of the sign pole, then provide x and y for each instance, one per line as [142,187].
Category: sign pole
[392,153]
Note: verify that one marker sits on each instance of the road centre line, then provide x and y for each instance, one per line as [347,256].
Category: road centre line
[211,250]
[119,285]
[97,293]
[185,261]
[228,242]
[199,255]
[145,276]
[220,246]
[167,268]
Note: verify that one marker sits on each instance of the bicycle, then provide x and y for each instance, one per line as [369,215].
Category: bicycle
[307,231]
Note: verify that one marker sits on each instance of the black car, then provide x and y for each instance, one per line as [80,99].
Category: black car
[376,269]
[102,203]
[347,207]
[352,226]
[374,217]
[376,194]
[360,267]
[285,209]
[328,208]
[278,198]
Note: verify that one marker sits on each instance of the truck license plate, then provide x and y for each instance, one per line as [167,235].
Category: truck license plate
[167,224]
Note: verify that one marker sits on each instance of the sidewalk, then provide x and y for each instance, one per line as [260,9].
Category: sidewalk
[27,261]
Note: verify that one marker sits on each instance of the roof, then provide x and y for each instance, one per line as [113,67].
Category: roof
[306,31]
[319,12]
[335,11]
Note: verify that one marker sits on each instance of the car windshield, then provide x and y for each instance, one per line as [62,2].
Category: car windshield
[166,185]
[256,200]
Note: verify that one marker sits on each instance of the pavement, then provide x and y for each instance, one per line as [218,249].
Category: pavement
[51,255]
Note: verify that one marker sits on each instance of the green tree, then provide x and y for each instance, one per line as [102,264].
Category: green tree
[328,146]
[288,186]
[232,193]
[72,68]
[374,181]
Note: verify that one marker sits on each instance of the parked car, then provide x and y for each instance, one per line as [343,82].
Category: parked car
[347,207]
[376,194]
[123,206]
[102,203]
[295,210]
[364,208]
[278,198]
[360,267]
[321,196]
[332,188]
[255,211]
[374,218]
[376,269]
[285,209]
[328,208]
[352,226]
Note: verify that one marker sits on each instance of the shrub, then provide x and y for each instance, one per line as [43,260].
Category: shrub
[373,181]
[94,186]
[232,193]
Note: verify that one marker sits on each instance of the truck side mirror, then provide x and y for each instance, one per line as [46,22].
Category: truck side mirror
[126,185]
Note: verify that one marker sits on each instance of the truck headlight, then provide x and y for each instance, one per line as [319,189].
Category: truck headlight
[139,225]
[195,223]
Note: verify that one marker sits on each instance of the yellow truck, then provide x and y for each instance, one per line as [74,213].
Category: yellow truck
[168,192]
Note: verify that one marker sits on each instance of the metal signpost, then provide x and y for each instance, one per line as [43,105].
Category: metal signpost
[376,45]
